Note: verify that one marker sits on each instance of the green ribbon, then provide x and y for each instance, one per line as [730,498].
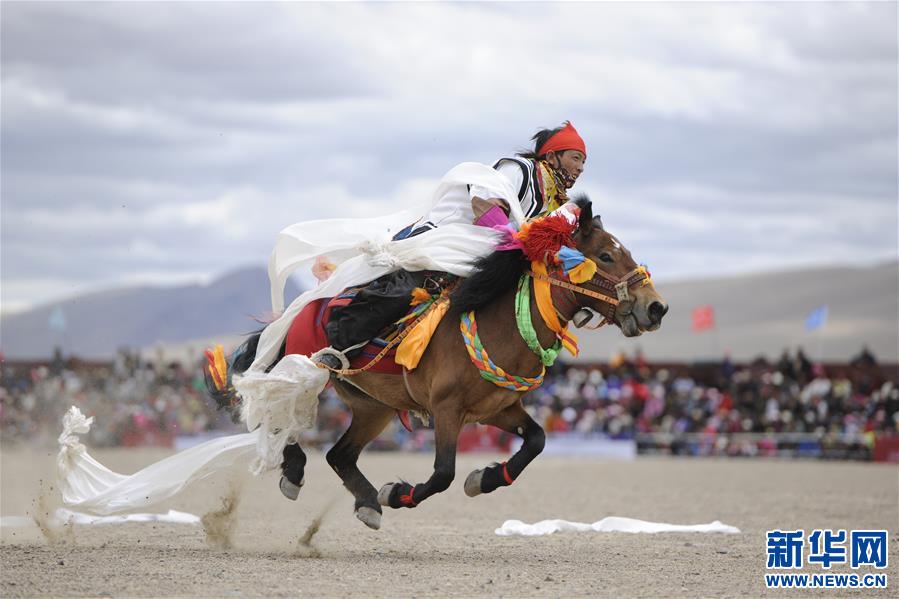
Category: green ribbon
[526,326]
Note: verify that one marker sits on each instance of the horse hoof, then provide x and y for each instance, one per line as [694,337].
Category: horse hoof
[473,483]
[384,494]
[370,517]
[290,490]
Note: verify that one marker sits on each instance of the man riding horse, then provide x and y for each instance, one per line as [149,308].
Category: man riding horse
[474,209]
[541,179]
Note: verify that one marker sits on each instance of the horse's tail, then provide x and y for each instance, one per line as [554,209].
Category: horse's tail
[219,370]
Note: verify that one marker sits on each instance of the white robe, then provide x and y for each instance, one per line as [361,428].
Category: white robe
[364,250]
[277,405]
[284,401]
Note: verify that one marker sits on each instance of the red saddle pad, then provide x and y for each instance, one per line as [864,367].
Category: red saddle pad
[307,335]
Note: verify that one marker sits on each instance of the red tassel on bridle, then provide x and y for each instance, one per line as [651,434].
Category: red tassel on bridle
[542,239]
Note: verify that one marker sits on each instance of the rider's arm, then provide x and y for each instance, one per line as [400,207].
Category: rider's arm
[489,210]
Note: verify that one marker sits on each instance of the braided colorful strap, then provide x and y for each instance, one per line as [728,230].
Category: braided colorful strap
[490,371]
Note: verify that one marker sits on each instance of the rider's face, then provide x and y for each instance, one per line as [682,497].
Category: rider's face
[572,162]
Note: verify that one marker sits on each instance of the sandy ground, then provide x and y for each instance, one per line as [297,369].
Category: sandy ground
[447,547]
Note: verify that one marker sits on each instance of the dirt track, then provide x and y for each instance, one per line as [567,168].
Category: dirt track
[447,546]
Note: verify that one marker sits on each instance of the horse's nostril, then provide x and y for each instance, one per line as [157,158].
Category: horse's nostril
[656,311]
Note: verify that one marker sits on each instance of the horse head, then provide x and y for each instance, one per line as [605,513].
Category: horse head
[639,306]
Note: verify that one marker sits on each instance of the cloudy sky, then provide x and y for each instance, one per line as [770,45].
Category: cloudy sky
[165,143]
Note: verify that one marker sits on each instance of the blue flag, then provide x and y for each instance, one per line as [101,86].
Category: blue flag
[57,320]
[816,318]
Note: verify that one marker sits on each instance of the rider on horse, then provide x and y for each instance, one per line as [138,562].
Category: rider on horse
[386,260]
[541,178]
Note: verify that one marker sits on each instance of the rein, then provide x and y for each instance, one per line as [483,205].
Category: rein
[620,285]
[576,288]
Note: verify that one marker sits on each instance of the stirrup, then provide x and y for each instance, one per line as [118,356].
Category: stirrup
[331,358]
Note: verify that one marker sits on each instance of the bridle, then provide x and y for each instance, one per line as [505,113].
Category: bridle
[608,283]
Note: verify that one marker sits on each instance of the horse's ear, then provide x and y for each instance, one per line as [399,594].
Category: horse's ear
[585,223]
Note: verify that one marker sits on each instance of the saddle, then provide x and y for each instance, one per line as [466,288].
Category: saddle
[308,332]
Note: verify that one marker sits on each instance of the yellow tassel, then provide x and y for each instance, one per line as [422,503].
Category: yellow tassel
[419,296]
[582,272]
[221,365]
[543,298]
[545,306]
[648,280]
[413,347]
[217,366]
[522,233]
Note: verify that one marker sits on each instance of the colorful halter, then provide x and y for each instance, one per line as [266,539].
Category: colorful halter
[549,239]
[620,285]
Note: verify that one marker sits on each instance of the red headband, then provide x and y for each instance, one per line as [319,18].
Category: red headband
[566,139]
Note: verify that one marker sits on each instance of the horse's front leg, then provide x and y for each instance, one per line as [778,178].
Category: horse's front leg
[513,420]
[447,424]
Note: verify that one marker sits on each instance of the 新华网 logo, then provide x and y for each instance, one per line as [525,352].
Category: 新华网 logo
[864,552]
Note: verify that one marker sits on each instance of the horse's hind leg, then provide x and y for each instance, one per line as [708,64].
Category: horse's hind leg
[513,420]
[369,418]
[292,469]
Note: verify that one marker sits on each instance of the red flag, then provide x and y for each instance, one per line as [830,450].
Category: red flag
[703,318]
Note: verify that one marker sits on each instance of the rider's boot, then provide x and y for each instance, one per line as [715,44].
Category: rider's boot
[329,360]
[333,359]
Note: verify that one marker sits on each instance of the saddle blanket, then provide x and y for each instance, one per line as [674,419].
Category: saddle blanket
[307,335]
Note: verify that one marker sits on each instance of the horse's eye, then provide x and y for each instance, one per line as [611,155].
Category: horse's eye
[606,257]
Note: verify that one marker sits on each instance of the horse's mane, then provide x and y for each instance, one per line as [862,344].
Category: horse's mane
[493,275]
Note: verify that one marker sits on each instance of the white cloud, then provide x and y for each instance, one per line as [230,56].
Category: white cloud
[152,140]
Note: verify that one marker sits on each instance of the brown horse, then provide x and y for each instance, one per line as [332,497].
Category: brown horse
[448,387]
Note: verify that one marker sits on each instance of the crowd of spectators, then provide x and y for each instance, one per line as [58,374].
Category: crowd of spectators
[133,401]
[662,406]
[790,396]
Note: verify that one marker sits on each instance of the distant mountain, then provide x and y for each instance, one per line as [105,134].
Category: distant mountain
[97,324]
[759,314]
[763,314]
